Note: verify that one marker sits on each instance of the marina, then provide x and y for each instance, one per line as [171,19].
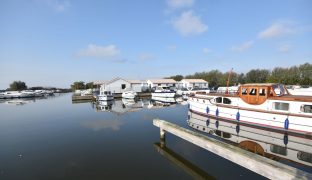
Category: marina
[127,126]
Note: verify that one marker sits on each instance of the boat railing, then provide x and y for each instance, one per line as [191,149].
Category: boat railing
[231,92]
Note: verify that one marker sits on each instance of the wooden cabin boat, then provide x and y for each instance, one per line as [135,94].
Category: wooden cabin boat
[265,104]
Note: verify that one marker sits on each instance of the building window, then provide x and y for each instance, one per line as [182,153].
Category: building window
[281,106]
[306,108]
[123,86]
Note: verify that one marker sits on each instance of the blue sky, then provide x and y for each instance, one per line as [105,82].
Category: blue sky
[57,42]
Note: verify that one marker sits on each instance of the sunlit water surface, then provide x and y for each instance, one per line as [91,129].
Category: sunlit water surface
[55,139]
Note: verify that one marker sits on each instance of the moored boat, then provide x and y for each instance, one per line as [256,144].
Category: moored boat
[264,104]
[163,91]
[105,95]
[16,94]
[129,94]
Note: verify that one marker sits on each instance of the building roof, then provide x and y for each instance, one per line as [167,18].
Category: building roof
[99,82]
[194,80]
[133,81]
[160,81]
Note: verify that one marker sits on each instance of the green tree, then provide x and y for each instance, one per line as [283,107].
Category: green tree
[176,77]
[89,85]
[18,86]
[305,74]
[78,85]
[257,76]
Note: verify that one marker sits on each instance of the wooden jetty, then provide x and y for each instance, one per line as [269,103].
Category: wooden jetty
[87,98]
[256,163]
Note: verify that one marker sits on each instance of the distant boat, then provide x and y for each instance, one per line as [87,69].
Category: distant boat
[163,91]
[129,94]
[105,96]
[16,94]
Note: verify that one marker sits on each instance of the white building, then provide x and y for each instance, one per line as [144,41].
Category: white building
[193,83]
[161,82]
[119,85]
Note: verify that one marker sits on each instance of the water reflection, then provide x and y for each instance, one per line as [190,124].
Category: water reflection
[121,106]
[274,145]
[24,101]
[104,124]
[179,161]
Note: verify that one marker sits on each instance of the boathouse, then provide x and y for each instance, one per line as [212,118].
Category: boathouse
[119,85]
[193,83]
[161,82]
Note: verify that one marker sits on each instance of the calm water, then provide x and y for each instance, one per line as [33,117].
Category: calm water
[55,139]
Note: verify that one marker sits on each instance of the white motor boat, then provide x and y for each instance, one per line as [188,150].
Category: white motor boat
[15,94]
[129,94]
[105,96]
[163,91]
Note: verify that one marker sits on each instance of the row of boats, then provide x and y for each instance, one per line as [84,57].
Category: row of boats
[25,94]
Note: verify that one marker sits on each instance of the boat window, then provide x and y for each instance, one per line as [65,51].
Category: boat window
[218,100]
[105,92]
[278,149]
[226,135]
[218,132]
[281,106]
[262,92]
[253,91]
[123,86]
[304,156]
[226,101]
[244,91]
[306,108]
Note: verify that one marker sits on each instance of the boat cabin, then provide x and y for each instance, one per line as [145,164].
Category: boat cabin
[258,93]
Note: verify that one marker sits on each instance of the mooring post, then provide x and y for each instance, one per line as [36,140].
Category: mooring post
[162,134]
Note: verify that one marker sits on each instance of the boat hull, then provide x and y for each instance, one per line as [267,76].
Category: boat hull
[163,94]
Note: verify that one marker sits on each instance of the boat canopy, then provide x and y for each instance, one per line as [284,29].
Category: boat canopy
[258,93]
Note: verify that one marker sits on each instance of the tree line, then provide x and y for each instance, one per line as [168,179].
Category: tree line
[295,75]
[81,85]
[20,86]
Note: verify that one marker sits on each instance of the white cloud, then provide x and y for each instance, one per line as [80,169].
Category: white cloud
[278,29]
[146,57]
[176,4]
[284,48]
[242,47]
[99,51]
[189,24]
[59,5]
[206,50]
